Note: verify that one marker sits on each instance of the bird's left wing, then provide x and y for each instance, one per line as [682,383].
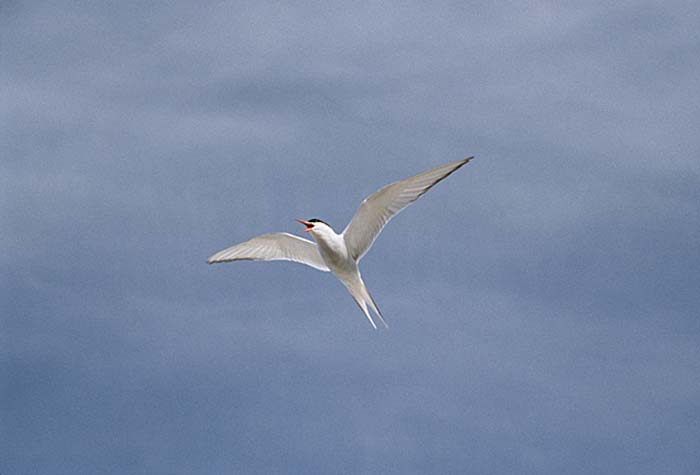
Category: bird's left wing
[273,247]
[376,210]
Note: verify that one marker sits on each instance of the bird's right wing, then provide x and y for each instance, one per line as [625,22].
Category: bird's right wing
[376,210]
[273,247]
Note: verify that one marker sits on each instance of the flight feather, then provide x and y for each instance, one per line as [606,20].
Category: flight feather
[273,247]
[377,209]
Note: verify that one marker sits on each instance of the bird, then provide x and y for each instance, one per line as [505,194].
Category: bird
[340,254]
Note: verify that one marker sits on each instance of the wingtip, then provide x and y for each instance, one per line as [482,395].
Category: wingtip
[460,163]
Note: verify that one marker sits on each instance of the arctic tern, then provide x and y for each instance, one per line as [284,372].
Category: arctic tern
[341,253]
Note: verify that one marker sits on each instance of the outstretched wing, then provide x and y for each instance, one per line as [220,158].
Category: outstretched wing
[377,209]
[273,247]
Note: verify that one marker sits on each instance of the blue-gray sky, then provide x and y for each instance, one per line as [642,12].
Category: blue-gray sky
[543,301]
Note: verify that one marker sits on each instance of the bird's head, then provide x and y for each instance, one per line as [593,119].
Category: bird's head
[315,225]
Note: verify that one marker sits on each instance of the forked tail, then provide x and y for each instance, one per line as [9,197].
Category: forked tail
[360,294]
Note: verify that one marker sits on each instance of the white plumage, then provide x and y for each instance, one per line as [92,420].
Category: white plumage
[341,253]
[273,247]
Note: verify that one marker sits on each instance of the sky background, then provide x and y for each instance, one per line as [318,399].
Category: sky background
[543,301]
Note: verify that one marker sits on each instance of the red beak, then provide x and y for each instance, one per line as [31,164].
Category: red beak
[309,226]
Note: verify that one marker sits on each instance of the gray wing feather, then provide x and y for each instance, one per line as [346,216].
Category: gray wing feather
[378,209]
[273,247]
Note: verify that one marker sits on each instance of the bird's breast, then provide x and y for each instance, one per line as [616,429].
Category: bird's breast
[334,252]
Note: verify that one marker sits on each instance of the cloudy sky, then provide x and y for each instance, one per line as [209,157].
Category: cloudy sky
[543,300]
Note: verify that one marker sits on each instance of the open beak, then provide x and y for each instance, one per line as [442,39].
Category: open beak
[309,226]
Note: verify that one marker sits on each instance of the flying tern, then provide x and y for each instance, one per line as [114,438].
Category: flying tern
[341,253]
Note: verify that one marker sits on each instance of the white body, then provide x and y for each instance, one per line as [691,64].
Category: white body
[339,260]
[341,253]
